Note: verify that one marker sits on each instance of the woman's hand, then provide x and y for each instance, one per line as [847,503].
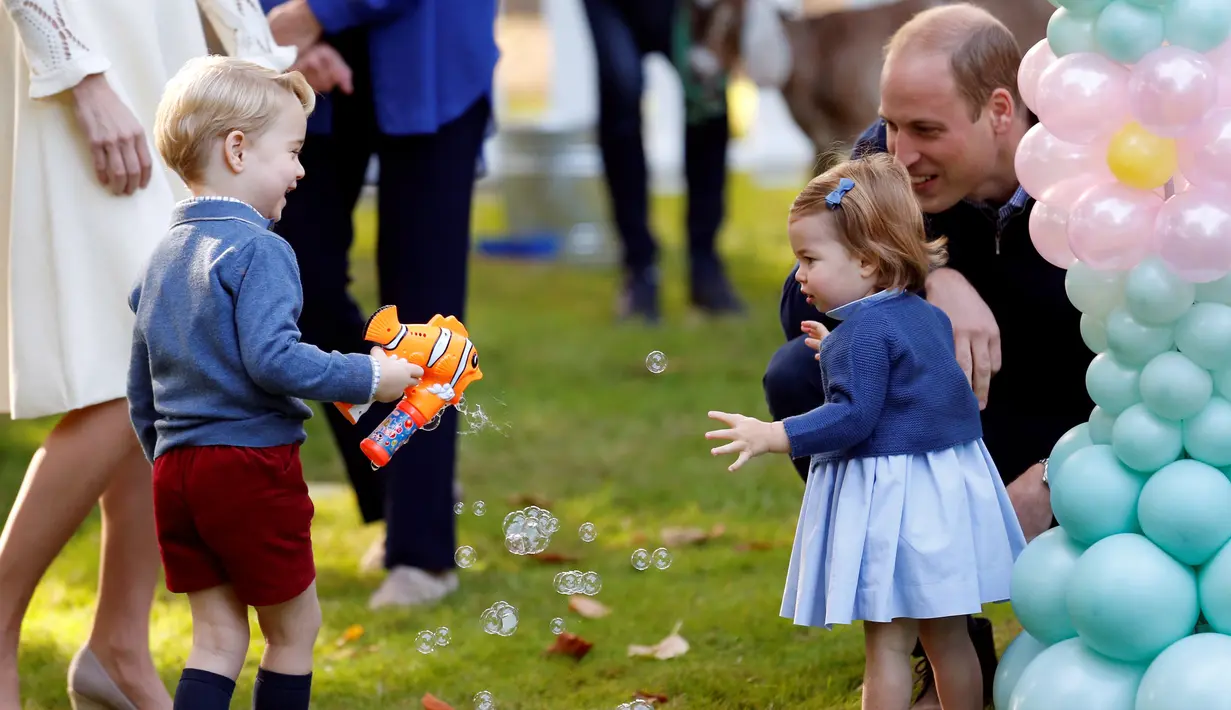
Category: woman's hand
[816,333]
[325,69]
[750,437]
[117,139]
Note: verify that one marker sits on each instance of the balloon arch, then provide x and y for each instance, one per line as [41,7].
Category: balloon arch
[1127,605]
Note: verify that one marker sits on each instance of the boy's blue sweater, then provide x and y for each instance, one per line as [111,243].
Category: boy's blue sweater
[892,384]
[216,356]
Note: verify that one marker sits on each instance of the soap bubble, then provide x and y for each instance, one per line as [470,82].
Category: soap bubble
[458,508]
[574,582]
[499,619]
[528,531]
[661,558]
[588,532]
[480,507]
[461,405]
[591,583]
[483,701]
[656,362]
[553,524]
[443,637]
[640,559]
[557,626]
[425,642]
[435,422]
[464,557]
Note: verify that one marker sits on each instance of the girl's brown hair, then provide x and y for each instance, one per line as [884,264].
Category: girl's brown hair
[878,219]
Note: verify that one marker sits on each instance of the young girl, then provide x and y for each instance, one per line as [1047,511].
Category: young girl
[905,522]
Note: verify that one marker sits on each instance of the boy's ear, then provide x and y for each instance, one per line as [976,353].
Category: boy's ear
[866,268]
[233,146]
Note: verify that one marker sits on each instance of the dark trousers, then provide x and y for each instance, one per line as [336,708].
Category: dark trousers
[424,205]
[624,32]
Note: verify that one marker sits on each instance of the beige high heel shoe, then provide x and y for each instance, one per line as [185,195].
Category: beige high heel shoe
[89,686]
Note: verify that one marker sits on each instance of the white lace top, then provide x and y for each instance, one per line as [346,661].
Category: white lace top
[60,51]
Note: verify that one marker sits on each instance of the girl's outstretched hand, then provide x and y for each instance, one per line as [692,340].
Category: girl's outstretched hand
[816,333]
[750,437]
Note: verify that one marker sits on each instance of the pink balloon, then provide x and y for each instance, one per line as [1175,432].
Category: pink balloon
[1065,195]
[1171,90]
[1049,232]
[1205,153]
[1038,58]
[1083,97]
[1221,59]
[1193,234]
[1043,162]
[1179,184]
[1111,225]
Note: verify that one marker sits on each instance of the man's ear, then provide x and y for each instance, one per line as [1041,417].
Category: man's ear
[234,146]
[1002,110]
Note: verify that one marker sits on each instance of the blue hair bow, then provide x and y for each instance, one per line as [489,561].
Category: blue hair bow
[834,199]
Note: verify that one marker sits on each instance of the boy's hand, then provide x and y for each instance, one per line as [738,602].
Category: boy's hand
[750,437]
[395,375]
[816,333]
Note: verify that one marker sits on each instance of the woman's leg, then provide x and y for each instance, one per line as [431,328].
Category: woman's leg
[81,457]
[959,678]
[887,678]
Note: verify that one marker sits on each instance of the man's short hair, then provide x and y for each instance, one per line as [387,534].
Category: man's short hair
[211,96]
[983,53]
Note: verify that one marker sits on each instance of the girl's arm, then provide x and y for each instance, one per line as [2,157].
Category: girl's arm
[857,373]
[244,32]
[58,49]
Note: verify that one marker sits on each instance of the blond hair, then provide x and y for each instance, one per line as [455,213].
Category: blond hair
[211,96]
[983,53]
[879,220]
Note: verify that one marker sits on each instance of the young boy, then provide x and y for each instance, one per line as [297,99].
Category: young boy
[217,374]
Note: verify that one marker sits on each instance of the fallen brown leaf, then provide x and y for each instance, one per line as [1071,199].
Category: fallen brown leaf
[587,607]
[640,538]
[691,536]
[353,633]
[755,545]
[670,647]
[551,557]
[570,644]
[655,698]
[431,702]
[525,500]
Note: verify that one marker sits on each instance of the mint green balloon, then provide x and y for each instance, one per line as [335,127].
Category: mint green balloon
[1203,334]
[1144,441]
[1074,440]
[1039,583]
[1092,291]
[1135,343]
[1095,495]
[1207,436]
[1083,8]
[1021,651]
[1214,586]
[1185,509]
[1094,333]
[1112,384]
[1129,600]
[1101,424]
[1070,34]
[1200,25]
[1215,291]
[1155,295]
[1070,676]
[1174,387]
[1126,32]
[1222,383]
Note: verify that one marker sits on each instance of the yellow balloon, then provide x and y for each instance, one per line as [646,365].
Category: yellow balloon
[1141,159]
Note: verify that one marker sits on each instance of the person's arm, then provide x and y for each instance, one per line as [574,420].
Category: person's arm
[301,22]
[268,300]
[60,51]
[976,333]
[244,31]
[140,389]
[858,379]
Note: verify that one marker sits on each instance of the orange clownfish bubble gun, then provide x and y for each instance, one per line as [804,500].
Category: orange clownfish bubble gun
[449,360]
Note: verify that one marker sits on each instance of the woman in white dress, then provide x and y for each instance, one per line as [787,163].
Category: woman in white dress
[83,200]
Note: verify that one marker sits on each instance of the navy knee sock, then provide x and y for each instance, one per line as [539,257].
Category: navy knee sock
[202,690]
[278,691]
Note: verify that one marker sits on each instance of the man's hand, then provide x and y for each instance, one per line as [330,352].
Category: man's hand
[1031,500]
[976,336]
[325,69]
[293,24]
[750,437]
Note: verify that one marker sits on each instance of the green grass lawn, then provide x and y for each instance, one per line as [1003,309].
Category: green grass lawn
[584,425]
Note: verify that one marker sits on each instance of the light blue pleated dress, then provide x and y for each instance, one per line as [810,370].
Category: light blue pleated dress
[907,536]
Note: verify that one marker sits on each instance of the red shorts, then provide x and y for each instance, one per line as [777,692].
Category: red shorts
[235,515]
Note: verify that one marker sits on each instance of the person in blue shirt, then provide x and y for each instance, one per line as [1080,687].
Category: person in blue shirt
[905,522]
[409,81]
